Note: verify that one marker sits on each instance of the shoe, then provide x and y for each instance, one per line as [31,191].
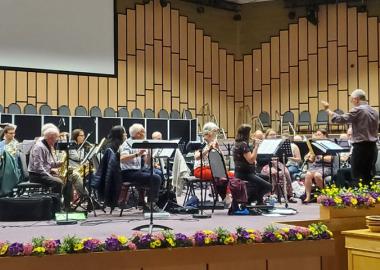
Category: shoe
[292,200]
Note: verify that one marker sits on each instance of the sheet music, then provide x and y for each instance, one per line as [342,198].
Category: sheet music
[268,147]
[327,146]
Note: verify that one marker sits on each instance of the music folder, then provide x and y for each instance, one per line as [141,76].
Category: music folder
[269,147]
[327,147]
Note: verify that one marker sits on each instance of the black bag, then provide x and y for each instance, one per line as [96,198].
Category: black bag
[33,208]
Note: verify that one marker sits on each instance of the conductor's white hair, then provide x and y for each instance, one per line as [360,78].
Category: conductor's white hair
[210,127]
[358,93]
[46,127]
[51,131]
[134,129]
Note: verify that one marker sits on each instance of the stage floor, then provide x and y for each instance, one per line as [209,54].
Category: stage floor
[104,225]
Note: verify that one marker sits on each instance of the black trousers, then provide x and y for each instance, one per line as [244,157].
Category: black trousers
[144,179]
[51,181]
[257,186]
[363,161]
[343,178]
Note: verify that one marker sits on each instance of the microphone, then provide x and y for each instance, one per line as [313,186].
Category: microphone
[63,121]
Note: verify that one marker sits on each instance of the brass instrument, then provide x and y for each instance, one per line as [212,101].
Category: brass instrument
[311,153]
[85,169]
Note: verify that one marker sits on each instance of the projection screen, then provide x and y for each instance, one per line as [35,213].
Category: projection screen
[73,36]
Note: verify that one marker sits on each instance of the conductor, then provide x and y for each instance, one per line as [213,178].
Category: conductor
[365,122]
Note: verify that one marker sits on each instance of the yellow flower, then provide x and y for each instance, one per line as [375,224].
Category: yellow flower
[378,199]
[338,200]
[122,240]
[354,201]
[3,249]
[252,231]
[249,241]
[39,250]
[229,240]
[157,243]
[153,244]
[330,233]
[299,236]
[279,236]
[208,232]
[78,247]
[286,230]
[252,236]
[171,242]
[207,240]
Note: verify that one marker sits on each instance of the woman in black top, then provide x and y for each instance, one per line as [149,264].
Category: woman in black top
[245,160]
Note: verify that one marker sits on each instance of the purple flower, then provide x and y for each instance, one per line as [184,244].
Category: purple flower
[16,249]
[92,245]
[112,244]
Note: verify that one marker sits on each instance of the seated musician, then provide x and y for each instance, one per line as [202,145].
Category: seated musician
[319,166]
[278,171]
[9,143]
[43,166]
[115,138]
[209,132]
[132,169]
[293,163]
[75,158]
[157,167]
[343,177]
[245,160]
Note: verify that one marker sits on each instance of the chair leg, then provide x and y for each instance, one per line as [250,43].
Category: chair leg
[123,200]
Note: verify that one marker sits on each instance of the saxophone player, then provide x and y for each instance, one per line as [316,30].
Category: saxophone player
[43,165]
[76,156]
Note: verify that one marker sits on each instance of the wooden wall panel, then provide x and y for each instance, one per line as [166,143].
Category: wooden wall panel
[342,68]
[22,87]
[332,22]
[293,44]
[207,56]
[175,75]
[191,87]
[93,86]
[303,82]
[284,92]
[63,88]
[83,90]
[191,44]
[41,87]
[230,75]
[352,36]
[230,117]
[157,25]
[322,26]
[275,57]
[131,78]
[302,39]
[140,71]
[175,30]
[148,69]
[121,37]
[373,38]
[293,84]
[265,100]
[103,91]
[157,62]
[362,34]
[2,88]
[256,76]
[183,81]
[223,110]
[275,96]
[257,103]
[199,91]
[352,70]
[166,68]
[373,91]
[140,28]
[284,51]
[322,69]
[265,63]
[239,93]
[332,62]
[157,98]
[183,37]
[121,84]
[73,90]
[215,100]
[313,75]
[363,73]
[166,22]
[247,71]
[223,69]
[112,93]
[333,96]
[129,29]
[343,100]
[149,23]
[215,62]
[342,24]
[199,49]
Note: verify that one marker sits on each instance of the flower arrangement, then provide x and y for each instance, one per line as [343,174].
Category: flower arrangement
[167,239]
[361,196]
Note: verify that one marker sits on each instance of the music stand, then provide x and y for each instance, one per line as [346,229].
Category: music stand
[326,147]
[152,144]
[284,151]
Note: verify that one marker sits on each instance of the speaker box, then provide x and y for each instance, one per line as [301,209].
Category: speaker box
[33,208]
